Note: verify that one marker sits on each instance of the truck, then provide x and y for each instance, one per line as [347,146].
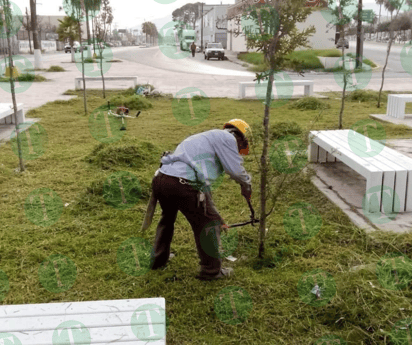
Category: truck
[186,38]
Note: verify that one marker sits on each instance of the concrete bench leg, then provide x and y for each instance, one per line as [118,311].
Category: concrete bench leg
[308,90]
[322,155]
[402,106]
[313,153]
[373,200]
[241,91]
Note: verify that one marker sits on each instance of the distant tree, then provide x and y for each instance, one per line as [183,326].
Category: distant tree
[149,28]
[188,14]
[68,29]
[26,23]
[104,20]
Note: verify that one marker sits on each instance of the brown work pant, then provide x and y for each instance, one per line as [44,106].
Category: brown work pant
[173,197]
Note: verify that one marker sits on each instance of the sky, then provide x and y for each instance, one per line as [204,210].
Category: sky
[132,13]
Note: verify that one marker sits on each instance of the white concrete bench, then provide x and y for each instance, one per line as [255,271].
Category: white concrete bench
[133,321]
[396,105]
[308,85]
[6,113]
[78,81]
[387,168]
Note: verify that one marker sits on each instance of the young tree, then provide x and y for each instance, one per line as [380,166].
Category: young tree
[275,34]
[397,6]
[6,25]
[101,25]
[75,10]
[342,15]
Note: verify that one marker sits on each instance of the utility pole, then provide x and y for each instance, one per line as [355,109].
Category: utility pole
[359,39]
[36,44]
[201,31]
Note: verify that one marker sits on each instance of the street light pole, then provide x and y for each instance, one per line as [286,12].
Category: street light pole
[359,40]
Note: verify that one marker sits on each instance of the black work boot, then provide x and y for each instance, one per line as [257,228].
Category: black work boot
[224,272]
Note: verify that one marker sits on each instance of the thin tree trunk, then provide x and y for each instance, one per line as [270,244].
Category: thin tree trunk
[388,51]
[342,106]
[84,80]
[13,93]
[264,168]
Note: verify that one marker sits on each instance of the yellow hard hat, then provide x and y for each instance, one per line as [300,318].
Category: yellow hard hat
[243,127]
[239,124]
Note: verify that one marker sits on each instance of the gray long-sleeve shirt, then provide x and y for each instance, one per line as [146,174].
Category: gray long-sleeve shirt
[207,155]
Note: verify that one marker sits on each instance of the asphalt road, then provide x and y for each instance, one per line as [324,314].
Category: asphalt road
[377,52]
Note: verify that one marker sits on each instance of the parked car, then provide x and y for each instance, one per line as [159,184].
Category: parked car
[342,43]
[76,45]
[214,50]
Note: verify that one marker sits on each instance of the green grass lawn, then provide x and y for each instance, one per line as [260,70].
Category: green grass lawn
[90,231]
[309,59]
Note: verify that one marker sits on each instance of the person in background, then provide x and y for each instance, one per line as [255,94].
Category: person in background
[193,49]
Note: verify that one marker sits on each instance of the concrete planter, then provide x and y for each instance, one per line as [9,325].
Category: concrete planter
[328,62]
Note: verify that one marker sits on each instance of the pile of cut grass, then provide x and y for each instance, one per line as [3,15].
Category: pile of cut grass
[56,68]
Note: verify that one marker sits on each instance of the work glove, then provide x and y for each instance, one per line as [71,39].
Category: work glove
[246,190]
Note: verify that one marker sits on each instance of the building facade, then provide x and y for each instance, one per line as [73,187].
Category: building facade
[214,25]
[323,38]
